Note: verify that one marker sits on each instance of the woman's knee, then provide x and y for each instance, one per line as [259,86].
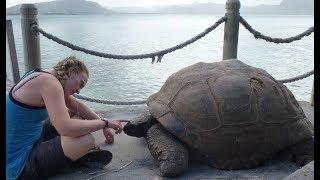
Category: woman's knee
[88,140]
[75,148]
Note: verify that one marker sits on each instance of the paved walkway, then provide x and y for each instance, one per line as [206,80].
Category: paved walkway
[305,173]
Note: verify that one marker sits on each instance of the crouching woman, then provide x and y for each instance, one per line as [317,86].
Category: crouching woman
[47,128]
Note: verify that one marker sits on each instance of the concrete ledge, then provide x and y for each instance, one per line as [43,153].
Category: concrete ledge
[305,173]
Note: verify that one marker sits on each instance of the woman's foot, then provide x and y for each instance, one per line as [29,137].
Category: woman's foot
[96,159]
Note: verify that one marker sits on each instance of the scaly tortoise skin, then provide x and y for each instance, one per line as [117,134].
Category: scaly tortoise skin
[226,114]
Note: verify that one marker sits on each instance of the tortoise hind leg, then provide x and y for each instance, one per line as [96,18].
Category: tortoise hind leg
[301,153]
[171,154]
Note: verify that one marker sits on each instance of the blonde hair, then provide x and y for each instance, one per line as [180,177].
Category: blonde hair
[68,65]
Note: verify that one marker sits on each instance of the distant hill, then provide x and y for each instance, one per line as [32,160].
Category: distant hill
[286,7]
[65,7]
[88,7]
[194,8]
[298,6]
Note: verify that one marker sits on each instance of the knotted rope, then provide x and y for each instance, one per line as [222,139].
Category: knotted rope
[297,77]
[158,54]
[258,35]
[143,102]
[108,101]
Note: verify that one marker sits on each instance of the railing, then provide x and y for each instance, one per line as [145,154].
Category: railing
[232,19]
[12,52]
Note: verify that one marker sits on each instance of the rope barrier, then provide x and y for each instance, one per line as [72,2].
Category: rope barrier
[297,77]
[143,102]
[258,35]
[107,101]
[159,54]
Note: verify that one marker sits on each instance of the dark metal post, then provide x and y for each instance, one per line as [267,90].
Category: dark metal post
[231,29]
[31,42]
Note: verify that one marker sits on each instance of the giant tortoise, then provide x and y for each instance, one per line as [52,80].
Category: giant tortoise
[227,114]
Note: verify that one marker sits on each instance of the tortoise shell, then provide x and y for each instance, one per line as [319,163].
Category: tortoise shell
[229,110]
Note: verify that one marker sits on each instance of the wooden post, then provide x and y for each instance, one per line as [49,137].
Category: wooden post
[312,95]
[231,30]
[31,42]
[12,52]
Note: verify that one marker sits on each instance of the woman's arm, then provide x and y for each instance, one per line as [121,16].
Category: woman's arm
[52,94]
[80,108]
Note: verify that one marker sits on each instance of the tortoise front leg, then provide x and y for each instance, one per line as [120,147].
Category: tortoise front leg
[171,154]
[139,126]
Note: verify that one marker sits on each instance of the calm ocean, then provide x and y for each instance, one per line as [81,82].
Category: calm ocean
[124,34]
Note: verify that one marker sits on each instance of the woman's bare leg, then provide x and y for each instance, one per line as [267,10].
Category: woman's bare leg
[75,148]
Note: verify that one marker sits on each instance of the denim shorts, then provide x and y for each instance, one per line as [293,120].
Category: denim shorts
[46,157]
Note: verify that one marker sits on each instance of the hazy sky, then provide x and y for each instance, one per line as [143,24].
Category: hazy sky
[150,3]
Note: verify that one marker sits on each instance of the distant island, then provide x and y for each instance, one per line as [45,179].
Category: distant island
[68,7]
[73,7]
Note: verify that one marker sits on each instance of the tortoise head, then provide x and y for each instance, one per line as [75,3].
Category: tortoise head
[140,126]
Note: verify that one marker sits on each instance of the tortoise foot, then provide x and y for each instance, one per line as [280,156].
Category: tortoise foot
[171,154]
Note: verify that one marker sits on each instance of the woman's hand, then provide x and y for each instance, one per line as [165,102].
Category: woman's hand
[108,135]
[114,124]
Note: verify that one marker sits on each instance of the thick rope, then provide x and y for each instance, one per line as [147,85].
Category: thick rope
[143,102]
[258,35]
[107,101]
[297,77]
[10,83]
[159,54]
